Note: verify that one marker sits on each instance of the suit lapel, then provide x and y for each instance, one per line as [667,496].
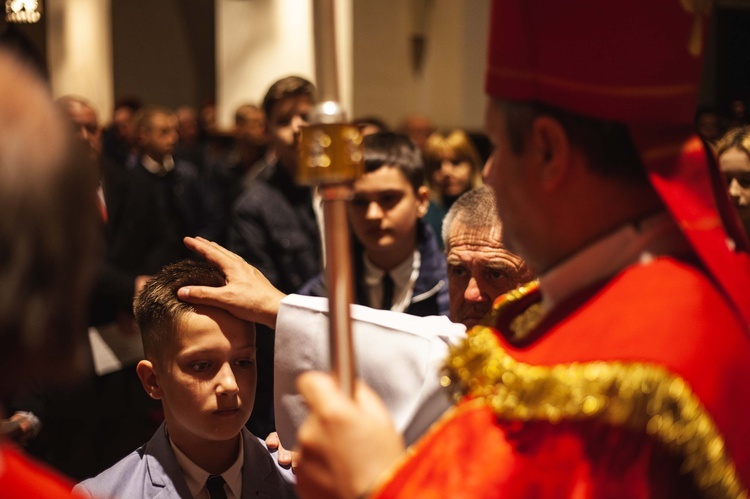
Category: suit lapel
[167,480]
[257,470]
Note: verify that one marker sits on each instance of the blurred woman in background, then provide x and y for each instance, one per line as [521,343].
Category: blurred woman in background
[453,168]
[733,151]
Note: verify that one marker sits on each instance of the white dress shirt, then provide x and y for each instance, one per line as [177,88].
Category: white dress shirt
[404,276]
[159,169]
[196,477]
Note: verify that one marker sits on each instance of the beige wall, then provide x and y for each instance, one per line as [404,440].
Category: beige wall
[79,50]
[449,87]
[261,41]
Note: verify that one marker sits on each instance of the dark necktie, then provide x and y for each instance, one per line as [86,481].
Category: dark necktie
[215,486]
[387,292]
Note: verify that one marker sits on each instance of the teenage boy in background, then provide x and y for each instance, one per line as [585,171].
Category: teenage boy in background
[397,262]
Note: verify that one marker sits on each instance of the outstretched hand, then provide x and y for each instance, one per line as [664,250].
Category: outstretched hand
[345,444]
[247,293]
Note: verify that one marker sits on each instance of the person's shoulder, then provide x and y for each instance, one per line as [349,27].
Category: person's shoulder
[262,467]
[675,288]
[187,171]
[124,475]
[185,165]
[665,311]
[432,257]
[259,195]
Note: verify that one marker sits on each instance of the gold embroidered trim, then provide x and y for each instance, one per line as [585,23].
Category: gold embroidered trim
[506,299]
[526,321]
[640,396]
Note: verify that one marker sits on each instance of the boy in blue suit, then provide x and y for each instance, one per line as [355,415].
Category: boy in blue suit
[200,362]
[397,262]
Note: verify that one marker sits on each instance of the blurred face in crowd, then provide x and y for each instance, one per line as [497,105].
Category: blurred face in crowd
[205,378]
[208,118]
[86,126]
[707,125]
[479,270]
[735,163]
[738,108]
[251,128]
[187,122]
[287,117]
[123,124]
[384,213]
[418,129]
[159,138]
[452,176]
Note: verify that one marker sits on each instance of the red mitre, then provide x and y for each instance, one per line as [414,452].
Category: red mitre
[636,63]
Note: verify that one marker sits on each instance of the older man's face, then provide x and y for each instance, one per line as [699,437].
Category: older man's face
[479,270]
[86,126]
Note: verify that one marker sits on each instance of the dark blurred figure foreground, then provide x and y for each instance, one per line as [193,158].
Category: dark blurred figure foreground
[48,242]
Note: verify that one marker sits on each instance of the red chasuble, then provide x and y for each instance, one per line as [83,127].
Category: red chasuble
[20,477]
[635,388]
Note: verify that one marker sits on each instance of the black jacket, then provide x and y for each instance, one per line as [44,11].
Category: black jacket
[139,240]
[274,228]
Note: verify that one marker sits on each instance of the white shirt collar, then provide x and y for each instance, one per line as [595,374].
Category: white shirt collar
[196,477]
[632,243]
[157,168]
[404,276]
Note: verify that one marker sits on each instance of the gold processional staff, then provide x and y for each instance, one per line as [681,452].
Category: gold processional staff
[331,159]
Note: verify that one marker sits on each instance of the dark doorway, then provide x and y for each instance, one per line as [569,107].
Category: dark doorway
[733,55]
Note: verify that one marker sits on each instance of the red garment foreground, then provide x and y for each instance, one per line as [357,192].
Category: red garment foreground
[22,477]
[636,388]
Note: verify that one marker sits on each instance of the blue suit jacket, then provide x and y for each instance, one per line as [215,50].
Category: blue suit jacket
[152,471]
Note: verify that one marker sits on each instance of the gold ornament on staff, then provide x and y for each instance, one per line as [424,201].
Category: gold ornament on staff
[331,158]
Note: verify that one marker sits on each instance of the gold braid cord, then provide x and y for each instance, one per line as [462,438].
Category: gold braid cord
[640,396]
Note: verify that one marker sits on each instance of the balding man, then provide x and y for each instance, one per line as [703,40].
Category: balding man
[480,267]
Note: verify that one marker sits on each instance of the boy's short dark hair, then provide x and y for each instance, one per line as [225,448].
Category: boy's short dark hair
[396,150]
[291,86]
[158,309]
